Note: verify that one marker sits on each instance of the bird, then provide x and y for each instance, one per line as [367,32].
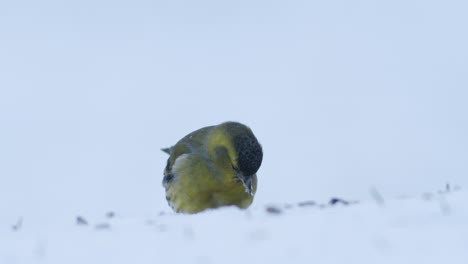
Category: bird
[212,167]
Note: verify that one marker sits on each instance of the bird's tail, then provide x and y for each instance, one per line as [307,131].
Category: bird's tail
[166,150]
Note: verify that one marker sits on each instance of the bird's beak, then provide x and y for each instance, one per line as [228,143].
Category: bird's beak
[247,181]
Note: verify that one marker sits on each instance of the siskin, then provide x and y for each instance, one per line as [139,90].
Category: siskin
[212,167]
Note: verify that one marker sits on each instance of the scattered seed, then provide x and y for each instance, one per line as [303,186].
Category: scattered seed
[81,221]
[307,203]
[18,224]
[273,210]
[110,214]
[335,201]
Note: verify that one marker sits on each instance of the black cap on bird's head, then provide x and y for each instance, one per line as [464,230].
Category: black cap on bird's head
[249,151]
[249,159]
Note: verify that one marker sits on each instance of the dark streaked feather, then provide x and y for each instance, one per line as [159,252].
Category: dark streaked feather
[168,178]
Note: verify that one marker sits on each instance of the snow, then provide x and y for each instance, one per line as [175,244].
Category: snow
[428,228]
[350,99]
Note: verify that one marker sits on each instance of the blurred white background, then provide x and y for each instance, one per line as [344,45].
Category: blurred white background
[343,95]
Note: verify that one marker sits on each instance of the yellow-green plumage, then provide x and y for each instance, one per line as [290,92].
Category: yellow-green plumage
[212,167]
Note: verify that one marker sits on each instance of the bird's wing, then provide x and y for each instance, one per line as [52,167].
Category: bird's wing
[188,144]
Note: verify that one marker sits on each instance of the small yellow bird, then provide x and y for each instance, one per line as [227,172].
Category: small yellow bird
[212,167]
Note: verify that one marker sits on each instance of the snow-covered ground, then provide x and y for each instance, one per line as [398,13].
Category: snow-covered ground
[428,228]
[345,96]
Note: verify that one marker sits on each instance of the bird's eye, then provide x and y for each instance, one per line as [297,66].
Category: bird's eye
[235,168]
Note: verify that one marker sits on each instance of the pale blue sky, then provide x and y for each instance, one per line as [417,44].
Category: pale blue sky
[343,95]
